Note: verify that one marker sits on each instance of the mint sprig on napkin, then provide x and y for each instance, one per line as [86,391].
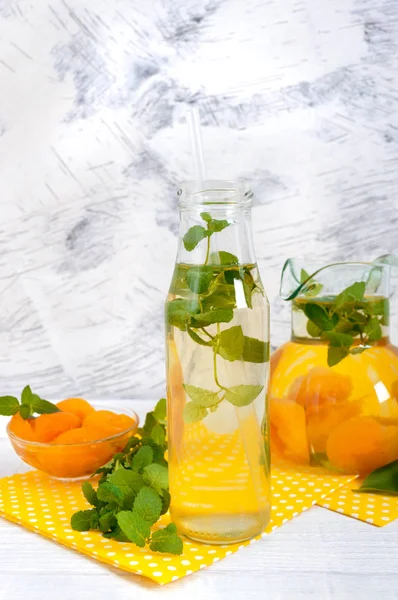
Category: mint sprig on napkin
[133,491]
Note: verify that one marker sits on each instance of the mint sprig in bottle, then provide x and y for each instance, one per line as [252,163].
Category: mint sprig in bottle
[217,350]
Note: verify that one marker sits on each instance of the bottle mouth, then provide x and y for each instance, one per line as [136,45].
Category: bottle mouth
[215,192]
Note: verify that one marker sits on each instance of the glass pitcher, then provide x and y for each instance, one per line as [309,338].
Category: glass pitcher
[334,386]
[217,350]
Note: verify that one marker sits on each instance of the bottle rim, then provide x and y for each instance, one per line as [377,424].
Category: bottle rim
[214,191]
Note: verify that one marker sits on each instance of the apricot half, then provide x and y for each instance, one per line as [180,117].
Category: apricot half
[108,422]
[363,444]
[77,406]
[48,427]
[288,430]
[320,387]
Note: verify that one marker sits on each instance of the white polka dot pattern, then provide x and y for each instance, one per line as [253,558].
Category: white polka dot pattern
[45,505]
[375,509]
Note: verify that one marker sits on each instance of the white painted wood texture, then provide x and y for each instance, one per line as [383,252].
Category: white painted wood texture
[319,554]
[298,96]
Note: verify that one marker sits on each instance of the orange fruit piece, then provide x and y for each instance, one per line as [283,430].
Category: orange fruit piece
[79,435]
[363,444]
[48,427]
[321,423]
[22,428]
[321,387]
[72,460]
[77,406]
[109,422]
[288,430]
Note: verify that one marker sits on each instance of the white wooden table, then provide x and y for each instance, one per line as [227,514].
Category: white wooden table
[319,555]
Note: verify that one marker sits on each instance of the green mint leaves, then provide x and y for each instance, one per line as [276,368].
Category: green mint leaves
[383,480]
[202,400]
[350,322]
[197,233]
[166,540]
[29,405]
[132,493]
[214,288]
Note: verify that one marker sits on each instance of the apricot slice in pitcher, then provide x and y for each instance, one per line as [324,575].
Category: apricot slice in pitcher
[48,427]
[288,430]
[77,406]
[109,422]
[363,444]
[320,423]
[320,387]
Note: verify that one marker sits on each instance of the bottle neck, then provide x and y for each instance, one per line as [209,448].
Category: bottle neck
[215,234]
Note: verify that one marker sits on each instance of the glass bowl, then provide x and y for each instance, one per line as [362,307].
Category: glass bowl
[74,461]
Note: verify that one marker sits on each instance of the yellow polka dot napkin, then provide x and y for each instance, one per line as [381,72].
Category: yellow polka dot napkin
[45,505]
[375,509]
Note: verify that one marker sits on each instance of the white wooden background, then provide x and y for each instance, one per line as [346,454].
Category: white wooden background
[299,96]
[319,554]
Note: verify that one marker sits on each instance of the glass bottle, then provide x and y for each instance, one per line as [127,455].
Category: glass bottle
[334,386]
[217,347]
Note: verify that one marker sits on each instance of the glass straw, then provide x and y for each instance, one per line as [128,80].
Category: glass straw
[195,135]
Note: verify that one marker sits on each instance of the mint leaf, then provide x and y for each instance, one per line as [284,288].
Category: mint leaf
[338,339]
[27,396]
[179,312]
[193,412]
[201,397]
[43,407]
[107,521]
[128,482]
[373,330]
[216,225]
[158,451]
[336,354]
[89,493]
[354,293]
[206,216]
[230,343]
[135,529]
[196,338]
[147,505]
[142,459]
[159,434]
[25,411]
[149,424]
[199,278]
[357,350]
[165,498]
[383,480]
[254,350]
[8,406]
[107,492]
[81,520]
[157,477]
[223,258]
[313,330]
[160,411]
[318,315]
[193,236]
[166,540]
[219,315]
[242,395]
[117,535]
